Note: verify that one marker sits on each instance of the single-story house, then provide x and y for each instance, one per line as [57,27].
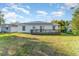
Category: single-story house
[31,27]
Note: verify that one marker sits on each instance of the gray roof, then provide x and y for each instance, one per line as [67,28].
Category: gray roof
[33,23]
[38,23]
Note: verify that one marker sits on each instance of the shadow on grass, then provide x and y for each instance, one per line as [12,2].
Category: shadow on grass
[20,46]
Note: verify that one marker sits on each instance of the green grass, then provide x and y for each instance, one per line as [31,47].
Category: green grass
[27,44]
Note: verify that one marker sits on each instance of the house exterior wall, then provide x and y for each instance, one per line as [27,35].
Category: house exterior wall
[10,28]
[28,28]
[0,28]
[69,28]
[14,29]
[57,27]
[3,28]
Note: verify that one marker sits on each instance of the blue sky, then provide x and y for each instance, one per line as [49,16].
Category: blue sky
[26,12]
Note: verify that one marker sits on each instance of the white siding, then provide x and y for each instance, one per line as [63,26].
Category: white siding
[14,29]
[0,28]
[56,27]
[3,28]
[29,27]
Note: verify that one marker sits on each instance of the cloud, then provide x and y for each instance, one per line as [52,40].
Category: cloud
[57,13]
[10,16]
[28,7]
[62,8]
[41,13]
[7,13]
[21,9]
[17,8]
[4,10]
[71,5]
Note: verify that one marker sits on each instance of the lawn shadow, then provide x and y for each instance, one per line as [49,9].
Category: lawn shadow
[34,47]
[21,46]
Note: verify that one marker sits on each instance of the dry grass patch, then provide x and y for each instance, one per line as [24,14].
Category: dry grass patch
[57,45]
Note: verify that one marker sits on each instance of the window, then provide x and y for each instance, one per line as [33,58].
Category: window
[53,27]
[33,27]
[23,28]
[6,28]
[41,28]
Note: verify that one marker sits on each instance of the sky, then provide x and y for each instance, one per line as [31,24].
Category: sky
[27,12]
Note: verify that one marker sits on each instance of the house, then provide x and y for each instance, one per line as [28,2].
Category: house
[31,27]
[69,28]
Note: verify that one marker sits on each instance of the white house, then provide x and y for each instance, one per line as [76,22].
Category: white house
[30,27]
[69,27]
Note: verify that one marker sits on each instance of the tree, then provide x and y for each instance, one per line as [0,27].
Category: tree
[75,21]
[63,24]
[55,21]
[2,20]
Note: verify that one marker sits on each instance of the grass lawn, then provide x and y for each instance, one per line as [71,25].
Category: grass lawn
[27,44]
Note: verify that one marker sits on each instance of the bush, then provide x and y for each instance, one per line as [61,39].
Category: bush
[75,32]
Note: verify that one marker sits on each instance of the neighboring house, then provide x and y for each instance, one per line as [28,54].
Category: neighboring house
[69,28]
[31,27]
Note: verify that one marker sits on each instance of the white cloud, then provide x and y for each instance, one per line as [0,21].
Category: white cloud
[42,13]
[4,10]
[57,13]
[23,10]
[7,13]
[70,5]
[20,9]
[62,8]
[28,7]
[10,16]
[17,9]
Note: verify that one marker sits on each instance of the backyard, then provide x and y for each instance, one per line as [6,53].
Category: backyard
[38,45]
